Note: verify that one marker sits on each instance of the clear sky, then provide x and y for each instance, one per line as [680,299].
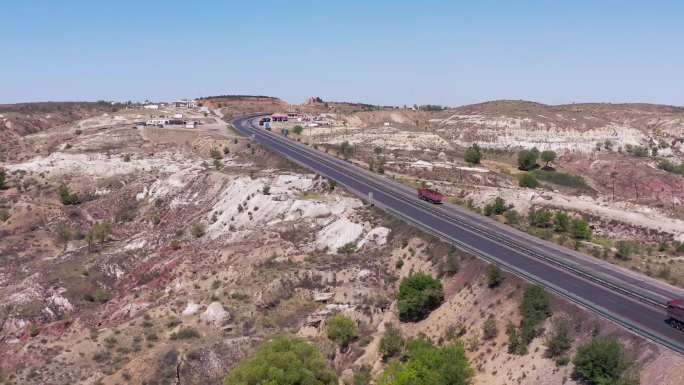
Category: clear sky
[382,52]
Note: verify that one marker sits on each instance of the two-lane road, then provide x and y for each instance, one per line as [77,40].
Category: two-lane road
[628,299]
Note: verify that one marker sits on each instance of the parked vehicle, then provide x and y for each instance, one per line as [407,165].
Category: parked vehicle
[430,195]
[264,120]
[675,310]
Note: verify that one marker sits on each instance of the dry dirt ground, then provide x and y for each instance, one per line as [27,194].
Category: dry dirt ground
[210,255]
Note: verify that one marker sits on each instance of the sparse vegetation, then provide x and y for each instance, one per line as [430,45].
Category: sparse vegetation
[558,342]
[341,330]
[3,178]
[624,250]
[283,361]
[528,180]
[535,308]
[346,149]
[392,343]
[99,232]
[418,295]
[560,178]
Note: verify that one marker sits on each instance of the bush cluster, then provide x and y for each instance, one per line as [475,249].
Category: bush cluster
[418,295]
[283,360]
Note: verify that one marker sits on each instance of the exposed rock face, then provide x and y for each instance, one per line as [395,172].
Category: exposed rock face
[215,314]
[190,309]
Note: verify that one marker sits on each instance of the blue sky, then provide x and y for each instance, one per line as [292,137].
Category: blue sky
[399,52]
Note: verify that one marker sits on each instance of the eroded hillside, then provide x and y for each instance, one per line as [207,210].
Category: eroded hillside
[167,255]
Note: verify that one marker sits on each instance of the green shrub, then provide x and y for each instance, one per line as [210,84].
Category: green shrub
[494,276]
[418,295]
[539,217]
[547,157]
[528,180]
[4,215]
[535,308]
[561,222]
[489,330]
[341,330]
[3,178]
[561,178]
[298,129]
[392,343]
[473,155]
[515,346]
[603,362]
[624,250]
[66,196]
[527,159]
[558,341]
[512,217]
[283,361]
[184,334]
[426,364]
[362,376]
[580,229]
[495,208]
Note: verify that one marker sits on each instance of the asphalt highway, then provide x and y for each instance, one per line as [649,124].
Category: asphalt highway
[624,297]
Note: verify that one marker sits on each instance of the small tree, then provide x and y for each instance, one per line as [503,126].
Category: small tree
[473,155]
[392,343]
[266,190]
[528,181]
[341,330]
[548,156]
[377,150]
[512,217]
[3,176]
[561,222]
[297,129]
[418,295]
[494,276]
[602,362]
[580,229]
[527,159]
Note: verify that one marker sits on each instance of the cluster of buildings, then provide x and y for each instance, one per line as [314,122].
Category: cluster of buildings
[177,119]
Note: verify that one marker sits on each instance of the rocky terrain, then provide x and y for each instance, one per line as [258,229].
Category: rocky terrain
[166,255]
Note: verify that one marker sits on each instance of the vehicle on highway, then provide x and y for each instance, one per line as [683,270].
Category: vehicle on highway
[264,120]
[675,310]
[430,195]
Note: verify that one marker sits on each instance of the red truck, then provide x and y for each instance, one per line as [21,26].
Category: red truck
[675,310]
[430,195]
